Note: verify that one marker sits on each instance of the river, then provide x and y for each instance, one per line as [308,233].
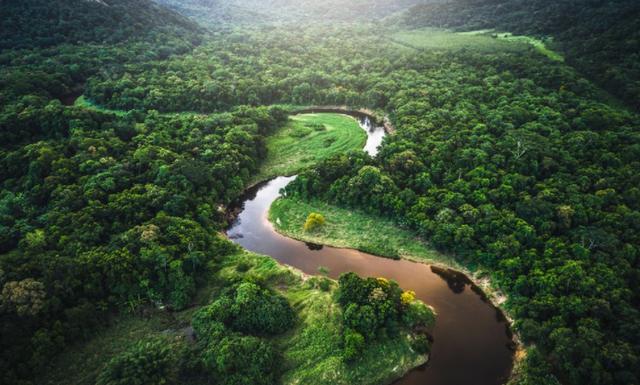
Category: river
[472,343]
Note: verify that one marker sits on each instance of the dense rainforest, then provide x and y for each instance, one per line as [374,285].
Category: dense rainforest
[600,38]
[504,158]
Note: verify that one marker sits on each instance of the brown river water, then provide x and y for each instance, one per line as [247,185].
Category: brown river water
[472,345]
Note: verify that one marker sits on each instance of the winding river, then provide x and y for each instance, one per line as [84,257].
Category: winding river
[472,344]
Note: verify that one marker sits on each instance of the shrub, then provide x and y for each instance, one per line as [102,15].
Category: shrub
[260,311]
[418,314]
[314,220]
[247,309]
[353,345]
[420,344]
[148,362]
[316,126]
[243,267]
[238,360]
[300,132]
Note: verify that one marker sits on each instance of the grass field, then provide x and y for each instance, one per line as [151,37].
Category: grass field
[352,229]
[538,44]
[308,138]
[438,39]
[486,40]
[311,351]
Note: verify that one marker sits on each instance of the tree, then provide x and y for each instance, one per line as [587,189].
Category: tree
[25,298]
[353,345]
[314,221]
[146,362]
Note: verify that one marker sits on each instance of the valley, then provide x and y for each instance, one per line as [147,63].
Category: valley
[278,192]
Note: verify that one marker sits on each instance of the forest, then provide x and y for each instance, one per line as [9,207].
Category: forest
[128,131]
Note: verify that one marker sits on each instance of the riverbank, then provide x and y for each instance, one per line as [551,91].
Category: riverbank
[377,118]
[354,229]
[311,352]
[307,139]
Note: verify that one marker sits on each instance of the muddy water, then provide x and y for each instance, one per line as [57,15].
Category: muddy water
[472,342]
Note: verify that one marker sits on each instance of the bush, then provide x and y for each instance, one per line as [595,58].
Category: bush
[300,132]
[239,360]
[418,314]
[421,344]
[314,220]
[247,309]
[353,345]
[148,362]
[316,126]
[260,311]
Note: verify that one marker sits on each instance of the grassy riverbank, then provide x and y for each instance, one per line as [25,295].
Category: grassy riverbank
[352,229]
[379,236]
[307,139]
[311,351]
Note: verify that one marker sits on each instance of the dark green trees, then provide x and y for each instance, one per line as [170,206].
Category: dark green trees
[377,308]
[148,362]
[227,332]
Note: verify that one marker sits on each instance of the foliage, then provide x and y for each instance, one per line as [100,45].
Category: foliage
[75,21]
[374,307]
[25,298]
[599,38]
[421,344]
[508,159]
[288,155]
[353,345]
[248,309]
[237,360]
[148,362]
[313,222]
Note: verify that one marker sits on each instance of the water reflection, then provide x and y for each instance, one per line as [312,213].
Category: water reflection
[313,246]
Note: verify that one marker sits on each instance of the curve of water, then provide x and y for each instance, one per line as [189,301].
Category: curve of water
[473,344]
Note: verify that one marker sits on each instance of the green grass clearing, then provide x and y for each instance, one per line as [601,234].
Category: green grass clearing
[352,229]
[538,44]
[485,40]
[439,39]
[307,139]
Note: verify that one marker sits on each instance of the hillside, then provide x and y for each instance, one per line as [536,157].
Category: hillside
[601,39]
[217,13]
[43,23]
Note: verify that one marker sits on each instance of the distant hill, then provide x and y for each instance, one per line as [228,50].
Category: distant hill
[226,12]
[600,38]
[43,23]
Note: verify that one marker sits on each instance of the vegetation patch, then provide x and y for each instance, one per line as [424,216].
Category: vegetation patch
[308,138]
[351,228]
[256,321]
[439,39]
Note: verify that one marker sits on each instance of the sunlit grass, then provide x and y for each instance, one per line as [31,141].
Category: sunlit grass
[538,44]
[302,142]
[352,229]
[439,39]
[485,40]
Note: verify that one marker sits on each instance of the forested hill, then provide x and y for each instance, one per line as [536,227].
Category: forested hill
[600,38]
[234,12]
[43,23]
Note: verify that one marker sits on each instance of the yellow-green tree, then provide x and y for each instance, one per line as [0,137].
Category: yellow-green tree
[314,220]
